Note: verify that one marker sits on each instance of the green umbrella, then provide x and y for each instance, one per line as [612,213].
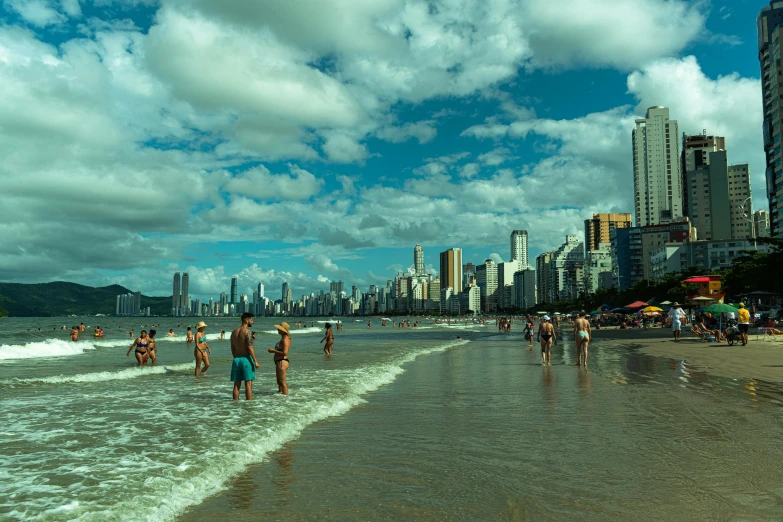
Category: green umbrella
[719,308]
[595,312]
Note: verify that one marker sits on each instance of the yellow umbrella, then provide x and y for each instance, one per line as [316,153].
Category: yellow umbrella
[649,309]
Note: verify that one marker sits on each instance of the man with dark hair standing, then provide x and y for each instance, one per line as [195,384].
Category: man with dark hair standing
[245,363]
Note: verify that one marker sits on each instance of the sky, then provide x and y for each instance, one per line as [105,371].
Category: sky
[316,140]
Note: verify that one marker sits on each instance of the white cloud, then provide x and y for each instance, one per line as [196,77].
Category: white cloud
[259,183]
[422,131]
[497,258]
[40,13]
[341,148]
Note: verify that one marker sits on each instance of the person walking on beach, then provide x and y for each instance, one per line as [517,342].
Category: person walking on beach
[329,338]
[676,316]
[152,349]
[582,334]
[546,335]
[243,368]
[529,329]
[141,344]
[202,351]
[744,323]
[281,356]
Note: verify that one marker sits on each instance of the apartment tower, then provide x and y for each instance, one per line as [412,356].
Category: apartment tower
[656,165]
[519,247]
[599,228]
[451,270]
[418,260]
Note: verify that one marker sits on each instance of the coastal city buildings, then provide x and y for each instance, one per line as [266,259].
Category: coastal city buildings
[450,274]
[599,228]
[543,282]
[656,168]
[525,288]
[129,305]
[769,24]
[761,223]
[233,290]
[418,260]
[487,281]
[566,278]
[175,295]
[519,247]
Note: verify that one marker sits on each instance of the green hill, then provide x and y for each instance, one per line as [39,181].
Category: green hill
[61,298]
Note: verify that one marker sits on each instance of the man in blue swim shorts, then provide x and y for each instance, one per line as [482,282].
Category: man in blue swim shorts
[245,363]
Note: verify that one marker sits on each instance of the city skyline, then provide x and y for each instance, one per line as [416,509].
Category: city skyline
[468,143]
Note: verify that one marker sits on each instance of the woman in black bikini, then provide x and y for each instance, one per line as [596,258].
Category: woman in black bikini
[202,351]
[546,334]
[329,338]
[141,344]
[281,356]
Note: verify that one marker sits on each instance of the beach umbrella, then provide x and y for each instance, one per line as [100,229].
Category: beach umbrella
[541,313]
[605,307]
[652,309]
[621,310]
[702,299]
[595,312]
[637,304]
[719,308]
[557,313]
[666,303]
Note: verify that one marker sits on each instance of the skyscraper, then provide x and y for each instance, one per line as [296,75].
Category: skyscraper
[234,290]
[185,298]
[761,223]
[740,201]
[519,247]
[769,25]
[451,270]
[418,260]
[175,294]
[599,228]
[285,290]
[260,290]
[656,164]
[336,287]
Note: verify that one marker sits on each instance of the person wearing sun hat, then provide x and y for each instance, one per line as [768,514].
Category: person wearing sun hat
[281,356]
[744,323]
[202,351]
[676,316]
[546,334]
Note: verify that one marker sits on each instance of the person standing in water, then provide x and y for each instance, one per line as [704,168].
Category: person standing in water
[75,333]
[152,349]
[189,336]
[329,338]
[582,334]
[546,335]
[141,344]
[202,351]
[281,356]
[243,368]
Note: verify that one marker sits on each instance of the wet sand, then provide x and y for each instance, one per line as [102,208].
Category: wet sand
[762,359]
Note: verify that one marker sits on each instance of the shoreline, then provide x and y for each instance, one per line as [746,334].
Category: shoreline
[761,359]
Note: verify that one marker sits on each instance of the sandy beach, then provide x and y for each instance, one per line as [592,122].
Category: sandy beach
[762,359]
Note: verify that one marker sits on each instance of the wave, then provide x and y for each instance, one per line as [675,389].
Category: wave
[128,373]
[255,447]
[311,329]
[47,348]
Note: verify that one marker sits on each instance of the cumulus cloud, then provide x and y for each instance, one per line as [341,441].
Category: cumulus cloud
[259,183]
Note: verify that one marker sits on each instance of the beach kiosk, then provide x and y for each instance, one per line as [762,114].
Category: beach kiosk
[704,286]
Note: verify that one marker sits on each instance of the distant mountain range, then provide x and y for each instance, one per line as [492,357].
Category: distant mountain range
[61,298]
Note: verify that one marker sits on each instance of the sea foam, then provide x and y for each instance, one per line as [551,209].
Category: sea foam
[47,348]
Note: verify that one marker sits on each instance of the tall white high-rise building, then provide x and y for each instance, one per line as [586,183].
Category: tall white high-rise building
[418,260]
[657,179]
[185,297]
[519,247]
[175,295]
[260,289]
[487,281]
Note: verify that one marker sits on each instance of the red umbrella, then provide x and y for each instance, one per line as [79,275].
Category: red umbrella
[637,304]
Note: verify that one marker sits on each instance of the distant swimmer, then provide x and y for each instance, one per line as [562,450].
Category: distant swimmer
[75,333]
[131,333]
[152,350]
[243,368]
[369,324]
[141,344]
[189,336]
[281,356]
[170,333]
[82,327]
[222,335]
[329,338]
[202,351]
[546,335]
[582,334]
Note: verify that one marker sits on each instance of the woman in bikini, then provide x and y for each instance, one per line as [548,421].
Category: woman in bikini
[141,344]
[281,356]
[546,335]
[329,338]
[152,349]
[202,351]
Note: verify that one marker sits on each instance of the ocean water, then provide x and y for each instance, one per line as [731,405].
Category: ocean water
[408,424]
[86,435]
